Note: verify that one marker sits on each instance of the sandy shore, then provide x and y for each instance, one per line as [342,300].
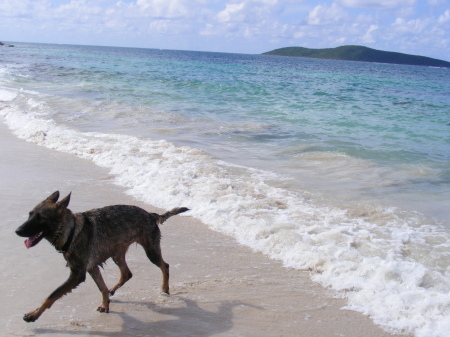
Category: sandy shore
[218,288]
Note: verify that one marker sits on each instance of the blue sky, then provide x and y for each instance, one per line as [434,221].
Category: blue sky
[420,27]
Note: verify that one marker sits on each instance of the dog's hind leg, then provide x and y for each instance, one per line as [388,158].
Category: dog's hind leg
[72,282]
[97,276]
[125,273]
[154,254]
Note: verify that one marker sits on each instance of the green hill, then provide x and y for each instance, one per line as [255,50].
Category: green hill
[359,53]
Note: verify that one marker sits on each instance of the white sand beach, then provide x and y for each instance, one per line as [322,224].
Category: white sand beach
[218,288]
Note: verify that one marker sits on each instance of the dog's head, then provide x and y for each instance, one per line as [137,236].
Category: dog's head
[44,220]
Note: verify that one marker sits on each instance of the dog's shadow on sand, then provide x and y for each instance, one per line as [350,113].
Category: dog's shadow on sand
[190,320]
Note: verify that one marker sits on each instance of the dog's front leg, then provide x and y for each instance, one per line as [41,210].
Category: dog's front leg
[72,282]
[97,276]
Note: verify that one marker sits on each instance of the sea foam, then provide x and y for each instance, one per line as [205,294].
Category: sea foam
[377,258]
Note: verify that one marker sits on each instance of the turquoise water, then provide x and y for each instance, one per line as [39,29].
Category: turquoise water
[337,167]
[269,111]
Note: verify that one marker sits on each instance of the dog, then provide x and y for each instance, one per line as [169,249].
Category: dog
[88,239]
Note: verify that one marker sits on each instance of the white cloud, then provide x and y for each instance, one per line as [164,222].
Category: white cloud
[14,8]
[22,9]
[325,15]
[165,8]
[377,3]
[245,18]
[78,9]
[368,37]
[249,11]
[168,27]
[436,2]
[232,12]
[415,26]
[444,17]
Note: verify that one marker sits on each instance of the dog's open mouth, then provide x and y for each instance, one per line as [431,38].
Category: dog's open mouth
[34,240]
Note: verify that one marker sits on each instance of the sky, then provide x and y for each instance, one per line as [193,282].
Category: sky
[419,27]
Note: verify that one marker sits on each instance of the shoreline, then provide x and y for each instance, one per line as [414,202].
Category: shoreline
[218,287]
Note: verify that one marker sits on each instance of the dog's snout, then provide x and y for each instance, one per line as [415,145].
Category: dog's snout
[19,231]
[22,231]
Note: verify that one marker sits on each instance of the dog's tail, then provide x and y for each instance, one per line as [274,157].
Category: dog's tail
[168,214]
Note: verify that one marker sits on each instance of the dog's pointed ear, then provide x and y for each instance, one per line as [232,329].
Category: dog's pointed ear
[53,198]
[65,202]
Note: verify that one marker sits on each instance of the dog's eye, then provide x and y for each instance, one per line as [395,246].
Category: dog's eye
[37,216]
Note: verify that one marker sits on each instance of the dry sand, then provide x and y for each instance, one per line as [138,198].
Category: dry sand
[218,288]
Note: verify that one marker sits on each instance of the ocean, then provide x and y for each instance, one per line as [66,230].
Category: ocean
[338,168]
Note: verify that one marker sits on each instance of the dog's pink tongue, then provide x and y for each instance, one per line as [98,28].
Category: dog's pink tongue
[29,242]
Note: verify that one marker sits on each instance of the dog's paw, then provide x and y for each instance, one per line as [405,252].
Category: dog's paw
[30,317]
[103,309]
[112,292]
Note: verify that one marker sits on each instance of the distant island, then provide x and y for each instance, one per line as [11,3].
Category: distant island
[6,45]
[359,53]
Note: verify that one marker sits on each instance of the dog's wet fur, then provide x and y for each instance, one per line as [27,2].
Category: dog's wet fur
[88,239]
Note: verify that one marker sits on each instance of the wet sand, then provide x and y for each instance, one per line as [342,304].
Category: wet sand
[218,288]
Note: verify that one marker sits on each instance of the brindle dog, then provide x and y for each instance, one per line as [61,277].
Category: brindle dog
[88,239]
